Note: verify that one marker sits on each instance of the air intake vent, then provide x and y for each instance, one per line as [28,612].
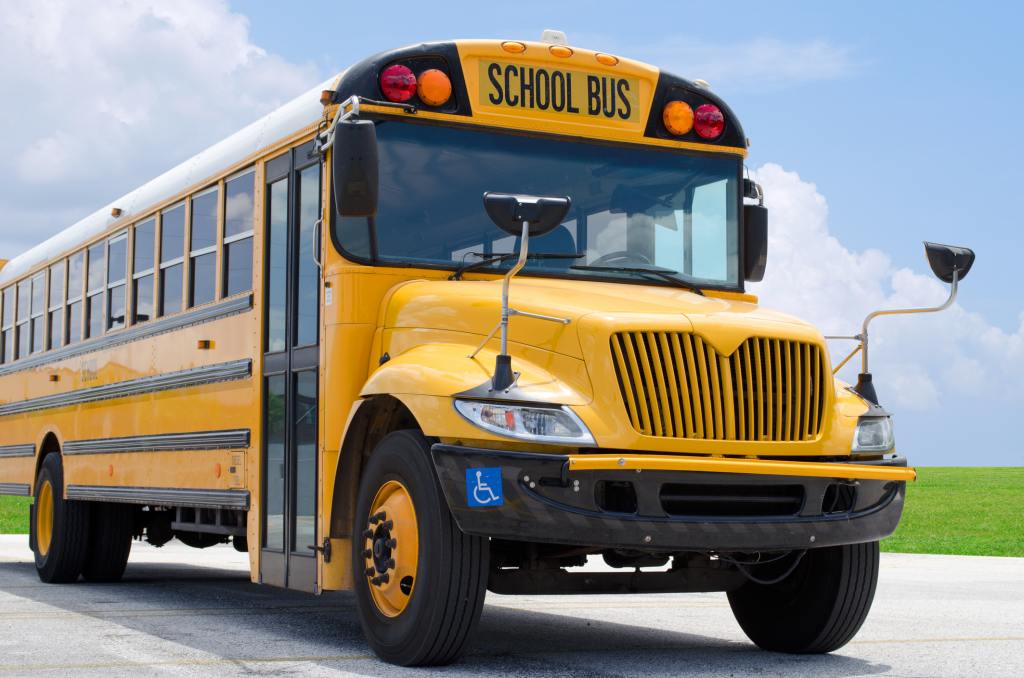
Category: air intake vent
[676,385]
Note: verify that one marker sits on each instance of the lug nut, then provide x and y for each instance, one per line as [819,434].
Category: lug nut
[377,517]
[368,553]
[370,572]
[388,524]
[391,543]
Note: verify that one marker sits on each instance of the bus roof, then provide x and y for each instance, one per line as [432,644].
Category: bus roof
[303,110]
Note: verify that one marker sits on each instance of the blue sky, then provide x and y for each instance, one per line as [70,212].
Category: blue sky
[875,125]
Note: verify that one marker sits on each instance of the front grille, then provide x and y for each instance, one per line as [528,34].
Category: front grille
[677,385]
[732,501]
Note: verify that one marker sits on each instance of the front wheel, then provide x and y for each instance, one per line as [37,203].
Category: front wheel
[817,608]
[59,527]
[419,581]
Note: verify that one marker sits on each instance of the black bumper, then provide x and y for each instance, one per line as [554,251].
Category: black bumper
[543,502]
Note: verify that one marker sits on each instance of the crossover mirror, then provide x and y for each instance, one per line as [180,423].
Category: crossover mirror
[355,169]
[755,242]
[540,214]
[945,259]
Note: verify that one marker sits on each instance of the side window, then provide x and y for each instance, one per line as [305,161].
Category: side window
[117,273]
[95,291]
[38,322]
[172,260]
[76,280]
[143,260]
[238,219]
[202,282]
[24,337]
[7,327]
[55,307]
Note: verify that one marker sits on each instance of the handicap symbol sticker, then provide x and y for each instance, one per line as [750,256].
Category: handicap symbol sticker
[483,487]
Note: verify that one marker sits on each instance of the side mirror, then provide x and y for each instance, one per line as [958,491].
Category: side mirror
[944,259]
[541,214]
[755,242]
[354,168]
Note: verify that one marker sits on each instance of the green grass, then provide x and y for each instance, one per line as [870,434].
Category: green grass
[14,515]
[961,511]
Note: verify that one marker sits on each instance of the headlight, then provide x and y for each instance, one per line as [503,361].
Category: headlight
[873,434]
[556,424]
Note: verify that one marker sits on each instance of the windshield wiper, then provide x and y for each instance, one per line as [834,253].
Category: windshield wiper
[663,273]
[488,259]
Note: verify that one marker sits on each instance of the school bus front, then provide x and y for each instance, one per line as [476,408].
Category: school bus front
[475,316]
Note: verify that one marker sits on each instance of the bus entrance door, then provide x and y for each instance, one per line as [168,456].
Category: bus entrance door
[291,370]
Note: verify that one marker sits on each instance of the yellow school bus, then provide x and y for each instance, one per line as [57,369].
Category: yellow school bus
[454,321]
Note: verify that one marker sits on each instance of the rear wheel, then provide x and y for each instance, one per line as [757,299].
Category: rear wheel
[60,527]
[110,542]
[817,608]
[420,582]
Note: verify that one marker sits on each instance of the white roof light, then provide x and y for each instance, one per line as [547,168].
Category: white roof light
[553,37]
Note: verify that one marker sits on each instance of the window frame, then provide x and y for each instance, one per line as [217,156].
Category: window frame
[228,240]
[136,275]
[194,254]
[8,299]
[110,286]
[162,266]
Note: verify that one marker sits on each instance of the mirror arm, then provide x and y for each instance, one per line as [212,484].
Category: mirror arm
[863,336]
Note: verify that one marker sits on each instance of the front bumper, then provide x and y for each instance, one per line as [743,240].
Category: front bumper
[752,506]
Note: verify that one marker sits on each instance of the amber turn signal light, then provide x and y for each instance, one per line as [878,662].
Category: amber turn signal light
[435,88]
[678,117]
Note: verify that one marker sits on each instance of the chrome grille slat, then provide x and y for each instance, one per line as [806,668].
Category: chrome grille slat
[676,385]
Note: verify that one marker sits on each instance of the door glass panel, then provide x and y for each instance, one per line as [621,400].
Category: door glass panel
[277,265]
[309,274]
[275,463]
[305,464]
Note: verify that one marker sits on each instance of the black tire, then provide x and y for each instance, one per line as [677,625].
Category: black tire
[110,542]
[65,556]
[451,572]
[818,608]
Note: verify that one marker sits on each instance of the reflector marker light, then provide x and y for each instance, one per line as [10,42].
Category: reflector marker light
[513,47]
[606,59]
[677,117]
[560,51]
[398,83]
[709,121]
[435,88]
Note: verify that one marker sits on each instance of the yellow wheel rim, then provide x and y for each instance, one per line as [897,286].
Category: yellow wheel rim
[391,548]
[44,518]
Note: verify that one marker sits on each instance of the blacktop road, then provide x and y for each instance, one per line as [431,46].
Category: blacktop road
[182,612]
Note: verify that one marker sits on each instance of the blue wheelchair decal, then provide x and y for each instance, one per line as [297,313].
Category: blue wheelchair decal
[483,487]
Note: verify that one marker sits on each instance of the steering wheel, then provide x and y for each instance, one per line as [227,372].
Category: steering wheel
[620,256]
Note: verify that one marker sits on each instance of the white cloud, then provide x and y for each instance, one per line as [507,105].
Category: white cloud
[920,362]
[762,62]
[105,95]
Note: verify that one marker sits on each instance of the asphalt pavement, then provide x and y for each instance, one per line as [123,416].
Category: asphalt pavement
[184,612]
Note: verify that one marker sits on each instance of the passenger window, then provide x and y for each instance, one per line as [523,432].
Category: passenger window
[117,273]
[238,219]
[55,308]
[38,321]
[23,336]
[76,273]
[203,249]
[95,291]
[7,327]
[143,258]
[172,260]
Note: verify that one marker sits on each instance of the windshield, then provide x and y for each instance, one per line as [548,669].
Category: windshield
[632,207]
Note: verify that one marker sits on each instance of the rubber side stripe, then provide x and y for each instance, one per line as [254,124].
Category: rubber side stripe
[168,442]
[159,496]
[210,374]
[18,451]
[14,489]
[143,331]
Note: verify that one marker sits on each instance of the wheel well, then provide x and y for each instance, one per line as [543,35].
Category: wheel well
[375,418]
[50,446]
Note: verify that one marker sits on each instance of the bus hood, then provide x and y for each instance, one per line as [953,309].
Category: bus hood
[592,308]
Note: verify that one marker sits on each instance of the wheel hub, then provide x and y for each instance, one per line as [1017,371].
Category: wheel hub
[391,548]
[44,518]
